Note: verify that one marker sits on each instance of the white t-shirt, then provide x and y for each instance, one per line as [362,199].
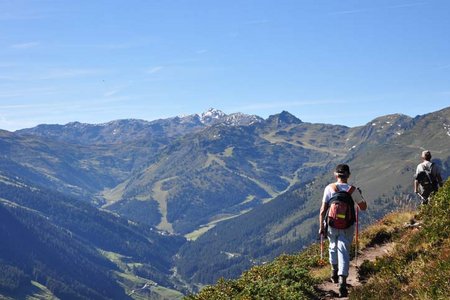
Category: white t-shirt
[427,164]
[329,191]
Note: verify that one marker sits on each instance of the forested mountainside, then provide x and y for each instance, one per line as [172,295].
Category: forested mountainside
[242,189]
[74,249]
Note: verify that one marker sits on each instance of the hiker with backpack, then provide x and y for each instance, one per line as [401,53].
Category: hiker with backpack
[337,219]
[428,177]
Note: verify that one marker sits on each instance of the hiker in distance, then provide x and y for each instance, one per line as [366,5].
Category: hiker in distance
[337,218]
[428,177]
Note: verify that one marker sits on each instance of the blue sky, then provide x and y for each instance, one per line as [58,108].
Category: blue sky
[340,62]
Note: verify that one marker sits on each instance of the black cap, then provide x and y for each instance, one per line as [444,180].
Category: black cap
[343,170]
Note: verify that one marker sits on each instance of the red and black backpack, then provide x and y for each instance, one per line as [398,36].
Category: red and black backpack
[341,208]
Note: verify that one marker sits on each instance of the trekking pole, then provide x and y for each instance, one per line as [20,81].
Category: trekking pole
[356,236]
[424,201]
[321,247]
[322,242]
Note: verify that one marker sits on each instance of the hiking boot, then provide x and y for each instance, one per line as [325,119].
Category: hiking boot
[334,274]
[343,292]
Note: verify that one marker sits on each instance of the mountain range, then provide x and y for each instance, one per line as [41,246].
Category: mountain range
[194,198]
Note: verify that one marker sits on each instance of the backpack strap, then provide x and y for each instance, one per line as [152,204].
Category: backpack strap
[335,187]
[351,189]
[433,179]
[429,171]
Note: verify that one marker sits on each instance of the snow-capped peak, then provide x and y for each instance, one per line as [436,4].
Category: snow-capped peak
[215,116]
[212,115]
[239,119]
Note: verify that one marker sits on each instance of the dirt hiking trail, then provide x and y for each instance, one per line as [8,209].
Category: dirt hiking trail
[329,290]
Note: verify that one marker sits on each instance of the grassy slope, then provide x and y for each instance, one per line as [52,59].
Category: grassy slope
[418,268]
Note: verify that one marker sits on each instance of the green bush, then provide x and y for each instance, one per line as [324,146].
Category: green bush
[287,277]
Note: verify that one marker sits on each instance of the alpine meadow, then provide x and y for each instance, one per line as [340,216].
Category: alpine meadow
[135,209]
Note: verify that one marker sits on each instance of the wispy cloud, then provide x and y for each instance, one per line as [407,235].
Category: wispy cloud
[105,46]
[347,12]
[114,91]
[11,16]
[23,11]
[21,106]
[70,105]
[70,73]
[25,45]
[46,73]
[154,70]
[111,93]
[22,93]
